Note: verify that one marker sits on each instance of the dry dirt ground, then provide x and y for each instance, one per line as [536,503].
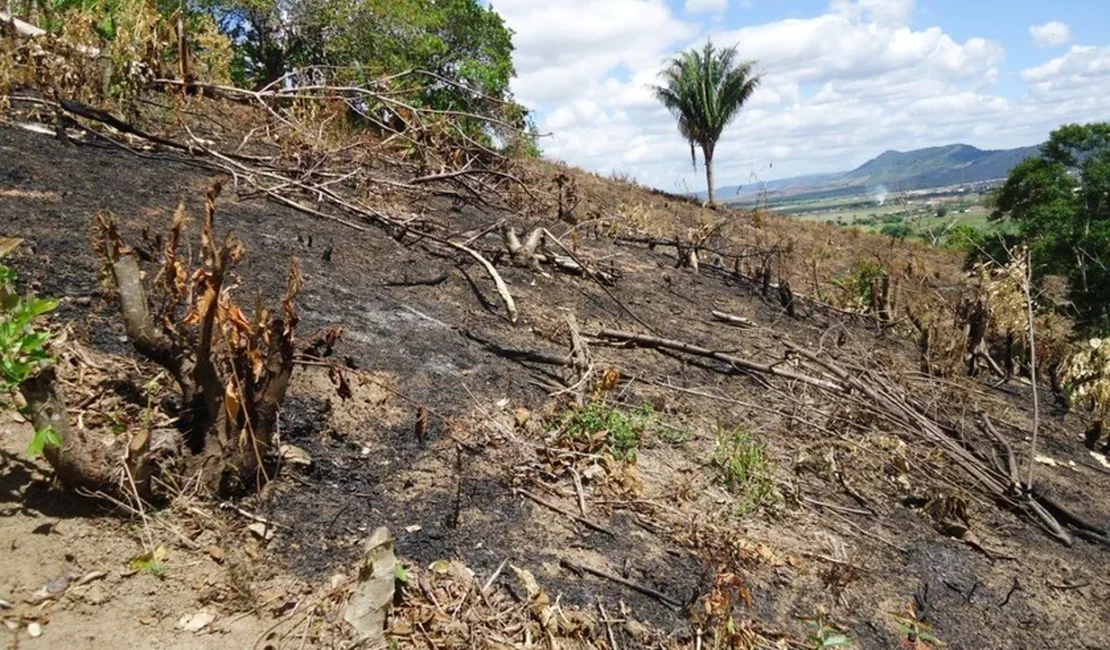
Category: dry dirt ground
[847,539]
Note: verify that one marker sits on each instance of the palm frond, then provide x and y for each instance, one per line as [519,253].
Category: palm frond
[704,89]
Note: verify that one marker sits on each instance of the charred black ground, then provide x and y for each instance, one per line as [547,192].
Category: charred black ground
[445,499]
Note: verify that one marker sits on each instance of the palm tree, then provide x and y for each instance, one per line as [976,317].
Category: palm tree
[705,90]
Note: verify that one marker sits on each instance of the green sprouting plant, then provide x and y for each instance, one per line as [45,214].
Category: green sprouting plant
[43,438]
[860,284]
[602,425]
[23,350]
[741,463]
[153,562]
[673,435]
[401,574]
[824,635]
[916,634]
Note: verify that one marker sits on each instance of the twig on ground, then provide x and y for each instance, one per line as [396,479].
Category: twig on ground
[1011,462]
[417,282]
[582,520]
[493,577]
[1014,587]
[608,626]
[738,321]
[647,591]
[578,490]
[502,288]
[185,541]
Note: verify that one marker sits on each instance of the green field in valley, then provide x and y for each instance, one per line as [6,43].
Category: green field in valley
[922,215]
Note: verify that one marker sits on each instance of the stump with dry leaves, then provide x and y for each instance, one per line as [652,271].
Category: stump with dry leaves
[232,367]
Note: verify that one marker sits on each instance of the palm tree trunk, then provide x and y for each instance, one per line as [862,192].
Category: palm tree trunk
[707,151]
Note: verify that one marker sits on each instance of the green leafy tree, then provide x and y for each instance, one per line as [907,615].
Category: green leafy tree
[965,237]
[463,44]
[895,230]
[1060,203]
[262,37]
[705,90]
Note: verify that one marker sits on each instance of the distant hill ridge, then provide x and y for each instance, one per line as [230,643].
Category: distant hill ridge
[926,168]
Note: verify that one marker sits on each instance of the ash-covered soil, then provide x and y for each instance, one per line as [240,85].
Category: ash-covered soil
[453,491]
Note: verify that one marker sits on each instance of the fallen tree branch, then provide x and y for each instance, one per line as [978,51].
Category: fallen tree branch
[739,321]
[502,288]
[1011,462]
[890,402]
[418,282]
[744,364]
[87,112]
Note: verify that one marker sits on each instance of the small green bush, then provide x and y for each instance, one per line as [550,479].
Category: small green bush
[22,347]
[672,435]
[742,465]
[602,425]
[895,230]
[964,237]
[857,287]
[824,636]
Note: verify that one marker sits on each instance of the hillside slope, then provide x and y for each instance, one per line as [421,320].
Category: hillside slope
[454,433]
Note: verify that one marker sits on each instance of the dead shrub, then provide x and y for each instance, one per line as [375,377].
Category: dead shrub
[232,367]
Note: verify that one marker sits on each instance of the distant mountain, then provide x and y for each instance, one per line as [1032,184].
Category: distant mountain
[927,168]
[938,166]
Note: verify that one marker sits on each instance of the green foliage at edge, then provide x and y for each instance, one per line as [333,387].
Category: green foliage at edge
[1060,203]
[23,349]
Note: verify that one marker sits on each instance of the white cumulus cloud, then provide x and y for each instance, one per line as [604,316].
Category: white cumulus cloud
[705,6]
[839,87]
[1050,34]
[563,48]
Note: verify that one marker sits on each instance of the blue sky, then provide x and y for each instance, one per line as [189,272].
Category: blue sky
[844,79]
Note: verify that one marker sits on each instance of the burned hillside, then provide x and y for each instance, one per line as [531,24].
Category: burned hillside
[592,415]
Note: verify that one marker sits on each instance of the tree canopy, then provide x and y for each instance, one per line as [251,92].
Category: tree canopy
[362,40]
[1060,202]
[453,57]
[705,90]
